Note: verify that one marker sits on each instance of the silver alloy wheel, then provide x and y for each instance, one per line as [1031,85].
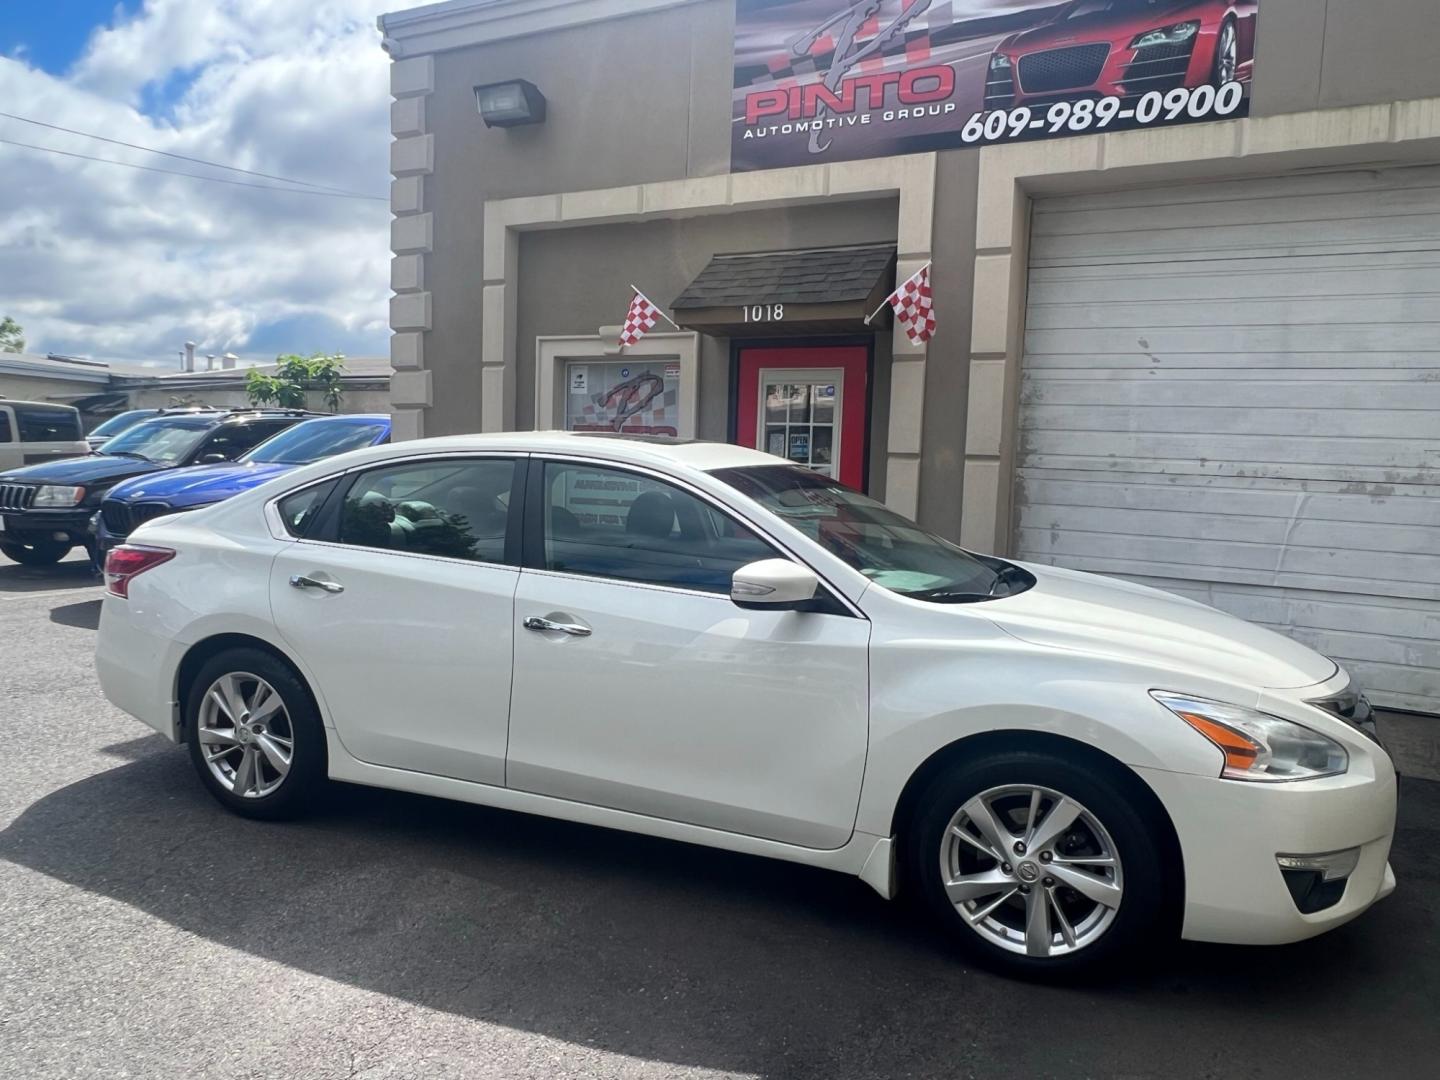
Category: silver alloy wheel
[1031,870]
[245,734]
[1226,55]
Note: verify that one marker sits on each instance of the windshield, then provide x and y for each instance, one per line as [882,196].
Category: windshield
[313,440]
[122,422]
[888,549]
[166,440]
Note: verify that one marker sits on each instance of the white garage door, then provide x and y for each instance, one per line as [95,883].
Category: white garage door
[1232,391]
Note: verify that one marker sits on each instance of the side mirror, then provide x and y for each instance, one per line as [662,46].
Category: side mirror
[773,585]
[212,458]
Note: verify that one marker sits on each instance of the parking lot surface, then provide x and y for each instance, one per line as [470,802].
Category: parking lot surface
[144,932]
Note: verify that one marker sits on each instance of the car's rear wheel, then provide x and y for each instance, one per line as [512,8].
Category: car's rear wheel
[1037,865]
[254,735]
[39,553]
[1227,54]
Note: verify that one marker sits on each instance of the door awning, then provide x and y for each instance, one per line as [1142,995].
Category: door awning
[808,291]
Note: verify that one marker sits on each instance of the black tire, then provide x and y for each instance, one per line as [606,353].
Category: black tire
[306,778]
[1143,917]
[38,553]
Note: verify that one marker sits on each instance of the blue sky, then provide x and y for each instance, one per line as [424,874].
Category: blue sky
[124,265]
[52,35]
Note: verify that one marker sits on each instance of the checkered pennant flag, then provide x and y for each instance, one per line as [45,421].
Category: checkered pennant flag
[914,306]
[640,320]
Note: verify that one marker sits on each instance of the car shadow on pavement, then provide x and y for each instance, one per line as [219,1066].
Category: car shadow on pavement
[84,615]
[669,952]
[73,573]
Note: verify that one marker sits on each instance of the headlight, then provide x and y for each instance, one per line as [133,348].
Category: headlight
[53,496]
[1167,35]
[1258,746]
[999,62]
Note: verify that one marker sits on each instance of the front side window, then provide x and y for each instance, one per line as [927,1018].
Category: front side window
[39,424]
[456,509]
[316,439]
[167,440]
[890,550]
[615,524]
[232,440]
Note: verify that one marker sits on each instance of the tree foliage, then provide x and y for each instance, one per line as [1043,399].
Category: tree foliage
[12,336]
[294,376]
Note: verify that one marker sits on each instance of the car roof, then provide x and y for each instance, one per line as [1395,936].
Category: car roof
[632,449]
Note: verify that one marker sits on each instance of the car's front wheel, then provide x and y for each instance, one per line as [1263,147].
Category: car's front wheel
[40,553]
[1038,865]
[1227,54]
[254,735]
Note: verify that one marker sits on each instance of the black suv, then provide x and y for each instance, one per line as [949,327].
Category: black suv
[45,510]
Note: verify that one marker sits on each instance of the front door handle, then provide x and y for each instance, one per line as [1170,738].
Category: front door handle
[300,581]
[535,622]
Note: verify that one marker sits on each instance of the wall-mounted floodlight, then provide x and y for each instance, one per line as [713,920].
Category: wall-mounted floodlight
[510,104]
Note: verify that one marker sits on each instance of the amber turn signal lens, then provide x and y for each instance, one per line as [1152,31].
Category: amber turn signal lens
[1240,752]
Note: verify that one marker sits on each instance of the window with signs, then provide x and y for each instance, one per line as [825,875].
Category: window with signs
[458,509]
[616,524]
[799,420]
[639,396]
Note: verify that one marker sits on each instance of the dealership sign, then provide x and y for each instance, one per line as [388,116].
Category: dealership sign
[827,80]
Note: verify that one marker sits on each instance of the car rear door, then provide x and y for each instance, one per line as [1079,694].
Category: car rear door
[400,597]
[640,686]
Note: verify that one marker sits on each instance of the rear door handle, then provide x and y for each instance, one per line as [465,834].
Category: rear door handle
[300,581]
[535,622]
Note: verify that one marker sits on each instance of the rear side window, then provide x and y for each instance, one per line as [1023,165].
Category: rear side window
[455,509]
[299,511]
[4,426]
[38,424]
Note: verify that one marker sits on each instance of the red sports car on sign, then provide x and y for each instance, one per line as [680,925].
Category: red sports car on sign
[1124,48]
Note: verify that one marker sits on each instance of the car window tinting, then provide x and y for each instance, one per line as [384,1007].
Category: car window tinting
[167,440]
[458,509]
[4,427]
[232,440]
[313,440]
[39,424]
[615,524]
[123,422]
[890,550]
[299,511]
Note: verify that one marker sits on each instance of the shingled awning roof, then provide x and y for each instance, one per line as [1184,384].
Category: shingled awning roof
[822,289]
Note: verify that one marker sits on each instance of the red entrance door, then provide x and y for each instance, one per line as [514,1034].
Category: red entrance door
[807,404]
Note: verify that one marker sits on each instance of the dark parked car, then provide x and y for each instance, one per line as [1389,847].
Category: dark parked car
[45,510]
[132,502]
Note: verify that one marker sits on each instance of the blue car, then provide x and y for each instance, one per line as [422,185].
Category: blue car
[133,502]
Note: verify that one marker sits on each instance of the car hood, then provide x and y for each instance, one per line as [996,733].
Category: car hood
[198,485]
[1105,25]
[1089,613]
[83,471]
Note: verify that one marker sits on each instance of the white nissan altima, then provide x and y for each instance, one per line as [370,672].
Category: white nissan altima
[703,642]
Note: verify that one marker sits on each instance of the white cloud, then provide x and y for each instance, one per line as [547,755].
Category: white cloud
[127,265]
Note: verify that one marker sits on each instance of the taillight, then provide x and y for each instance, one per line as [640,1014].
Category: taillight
[129,560]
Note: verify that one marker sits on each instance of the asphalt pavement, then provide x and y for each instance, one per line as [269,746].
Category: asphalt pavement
[146,933]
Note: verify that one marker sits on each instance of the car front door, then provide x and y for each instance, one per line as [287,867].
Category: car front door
[399,594]
[640,686]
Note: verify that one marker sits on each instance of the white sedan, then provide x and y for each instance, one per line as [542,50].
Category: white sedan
[702,642]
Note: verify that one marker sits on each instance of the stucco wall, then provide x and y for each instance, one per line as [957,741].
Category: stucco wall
[25,388]
[574,281]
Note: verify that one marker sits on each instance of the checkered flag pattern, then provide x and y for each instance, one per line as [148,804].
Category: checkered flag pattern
[639,321]
[914,307]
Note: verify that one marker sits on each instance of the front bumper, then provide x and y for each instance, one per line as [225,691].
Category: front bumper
[1231,831]
[33,526]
